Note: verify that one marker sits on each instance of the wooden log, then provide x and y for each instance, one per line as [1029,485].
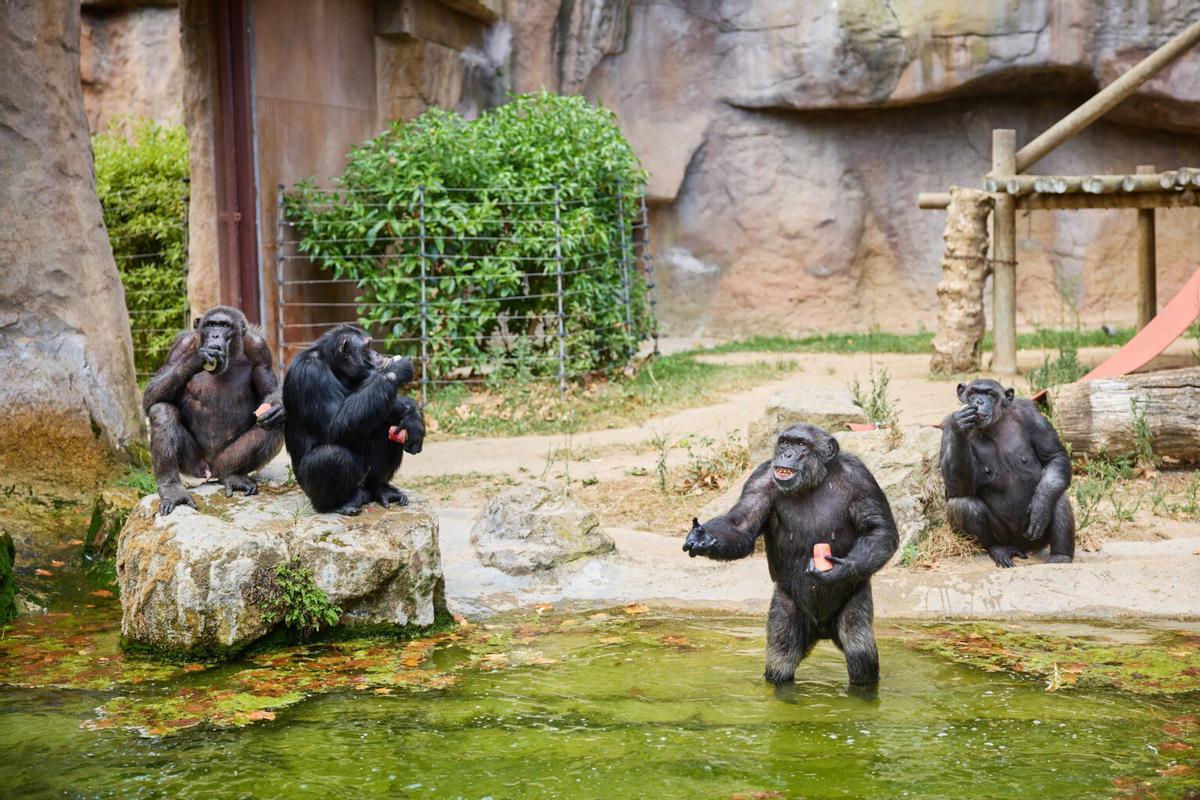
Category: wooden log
[1004,258]
[933,200]
[960,292]
[1061,202]
[1099,416]
[1147,273]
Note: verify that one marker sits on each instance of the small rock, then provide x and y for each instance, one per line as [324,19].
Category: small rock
[191,582]
[534,528]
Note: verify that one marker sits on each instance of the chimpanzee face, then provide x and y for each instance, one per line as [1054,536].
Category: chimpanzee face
[221,332]
[987,397]
[352,359]
[801,455]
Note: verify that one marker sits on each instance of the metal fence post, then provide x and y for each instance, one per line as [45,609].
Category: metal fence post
[424,302]
[625,274]
[648,258]
[562,350]
[279,249]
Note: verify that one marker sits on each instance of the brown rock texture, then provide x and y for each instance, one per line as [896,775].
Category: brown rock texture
[130,62]
[965,270]
[66,376]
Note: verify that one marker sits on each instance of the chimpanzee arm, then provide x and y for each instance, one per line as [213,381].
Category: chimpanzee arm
[262,378]
[958,467]
[183,361]
[1056,470]
[406,413]
[732,534]
[877,537]
[366,407]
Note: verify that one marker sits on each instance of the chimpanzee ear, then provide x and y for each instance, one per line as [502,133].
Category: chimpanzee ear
[962,393]
[830,449]
[1008,396]
[243,327]
[344,345]
[196,324]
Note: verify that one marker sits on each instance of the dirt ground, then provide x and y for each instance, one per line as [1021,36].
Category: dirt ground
[616,472]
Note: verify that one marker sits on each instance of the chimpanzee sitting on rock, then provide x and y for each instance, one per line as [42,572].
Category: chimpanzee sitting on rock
[810,495]
[1006,475]
[214,408]
[347,430]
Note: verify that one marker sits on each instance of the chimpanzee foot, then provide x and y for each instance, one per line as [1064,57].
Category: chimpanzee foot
[171,496]
[353,507]
[1059,558]
[239,483]
[388,494]
[779,678]
[1003,555]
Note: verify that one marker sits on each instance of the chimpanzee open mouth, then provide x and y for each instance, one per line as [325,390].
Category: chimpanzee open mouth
[784,473]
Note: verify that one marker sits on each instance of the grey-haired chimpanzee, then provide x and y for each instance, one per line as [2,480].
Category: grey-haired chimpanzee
[347,430]
[1006,475]
[810,493]
[202,407]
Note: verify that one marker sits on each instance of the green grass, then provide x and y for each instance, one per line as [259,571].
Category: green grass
[917,343]
[661,386]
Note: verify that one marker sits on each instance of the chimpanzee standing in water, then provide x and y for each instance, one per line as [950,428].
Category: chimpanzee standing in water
[347,431]
[202,406]
[810,494]
[1006,475]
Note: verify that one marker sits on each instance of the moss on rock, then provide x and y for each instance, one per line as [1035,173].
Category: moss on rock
[8,590]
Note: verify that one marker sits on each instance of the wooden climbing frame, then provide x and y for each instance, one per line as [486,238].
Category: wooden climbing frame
[1012,190]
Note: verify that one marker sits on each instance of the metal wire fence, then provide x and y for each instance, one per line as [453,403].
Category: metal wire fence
[149,244]
[518,283]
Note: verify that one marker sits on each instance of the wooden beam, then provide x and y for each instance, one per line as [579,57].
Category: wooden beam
[1067,202]
[1004,258]
[1147,276]
[933,200]
[1107,98]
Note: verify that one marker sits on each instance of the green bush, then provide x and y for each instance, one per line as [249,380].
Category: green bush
[141,179]
[489,204]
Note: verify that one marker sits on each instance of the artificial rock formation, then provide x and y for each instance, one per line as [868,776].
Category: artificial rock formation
[965,270]
[536,528]
[66,377]
[197,582]
[826,407]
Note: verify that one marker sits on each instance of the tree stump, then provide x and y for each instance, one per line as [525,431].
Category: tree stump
[960,292]
[1099,415]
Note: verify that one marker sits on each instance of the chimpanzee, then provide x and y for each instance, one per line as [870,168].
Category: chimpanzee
[347,430]
[1006,475]
[206,408]
[810,494]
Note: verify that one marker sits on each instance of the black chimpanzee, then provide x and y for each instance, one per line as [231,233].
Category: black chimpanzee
[347,430]
[202,406]
[810,493]
[1006,475]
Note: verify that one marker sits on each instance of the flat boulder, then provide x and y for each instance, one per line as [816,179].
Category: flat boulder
[199,583]
[823,406]
[536,528]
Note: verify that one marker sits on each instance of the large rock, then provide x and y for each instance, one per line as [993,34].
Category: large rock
[535,528]
[823,406]
[194,582]
[130,64]
[66,376]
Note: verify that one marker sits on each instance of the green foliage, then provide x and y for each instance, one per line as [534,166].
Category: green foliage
[488,217]
[876,341]
[1143,438]
[141,180]
[1065,368]
[8,590]
[712,464]
[880,409]
[305,605]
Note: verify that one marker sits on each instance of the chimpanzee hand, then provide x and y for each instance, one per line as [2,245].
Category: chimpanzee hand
[1039,518]
[699,542]
[966,418]
[843,570]
[272,418]
[171,496]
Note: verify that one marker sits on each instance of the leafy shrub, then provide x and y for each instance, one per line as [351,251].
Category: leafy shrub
[1065,368]
[141,180]
[305,605]
[487,213]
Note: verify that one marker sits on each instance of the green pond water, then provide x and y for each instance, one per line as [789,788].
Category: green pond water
[608,705]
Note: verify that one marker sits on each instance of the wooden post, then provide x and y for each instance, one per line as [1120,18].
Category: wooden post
[1147,275]
[1004,258]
